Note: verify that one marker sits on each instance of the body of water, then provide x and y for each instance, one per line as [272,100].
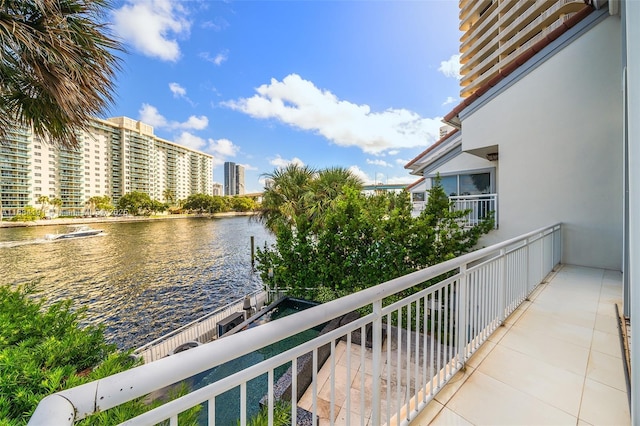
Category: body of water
[142,279]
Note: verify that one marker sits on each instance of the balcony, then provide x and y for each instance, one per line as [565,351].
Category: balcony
[478,207]
[480,314]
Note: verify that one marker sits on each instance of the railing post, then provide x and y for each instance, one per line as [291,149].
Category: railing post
[377,359]
[502,286]
[463,306]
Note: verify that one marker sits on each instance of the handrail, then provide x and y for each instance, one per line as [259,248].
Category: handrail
[114,390]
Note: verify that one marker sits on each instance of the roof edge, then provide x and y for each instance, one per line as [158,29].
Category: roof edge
[432,147]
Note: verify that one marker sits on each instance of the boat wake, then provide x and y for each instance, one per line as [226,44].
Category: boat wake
[10,244]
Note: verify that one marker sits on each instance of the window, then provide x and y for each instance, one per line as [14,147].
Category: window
[417,196]
[466,184]
[37,160]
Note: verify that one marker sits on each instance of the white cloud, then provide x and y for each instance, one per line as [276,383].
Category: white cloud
[401,161]
[222,148]
[152,26]
[280,162]
[150,115]
[191,141]
[357,171]
[381,163]
[393,152]
[449,100]
[218,59]
[301,104]
[177,90]
[451,67]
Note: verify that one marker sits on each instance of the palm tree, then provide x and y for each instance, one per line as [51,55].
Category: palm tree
[327,188]
[168,195]
[285,200]
[43,200]
[57,203]
[57,66]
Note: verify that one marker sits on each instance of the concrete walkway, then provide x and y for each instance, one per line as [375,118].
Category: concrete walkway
[557,361]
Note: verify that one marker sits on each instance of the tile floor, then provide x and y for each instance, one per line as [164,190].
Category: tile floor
[557,360]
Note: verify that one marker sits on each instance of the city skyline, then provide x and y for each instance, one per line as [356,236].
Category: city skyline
[264,84]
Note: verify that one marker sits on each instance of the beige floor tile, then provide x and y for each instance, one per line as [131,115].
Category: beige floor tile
[499,333]
[553,351]
[606,343]
[607,308]
[607,369]
[552,385]
[480,354]
[486,401]
[604,405]
[456,382]
[536,322]
[427,415]
[446,417]
[606,323]
[515,315]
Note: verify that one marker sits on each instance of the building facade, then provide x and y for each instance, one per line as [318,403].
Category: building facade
[116,156]
[233,179]
[496,32]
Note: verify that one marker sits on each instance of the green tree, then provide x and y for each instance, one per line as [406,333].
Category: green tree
[57,66]
[361,241]
[242,204]
[136,203]
[28,214]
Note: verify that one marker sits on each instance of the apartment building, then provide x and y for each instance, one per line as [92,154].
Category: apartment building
[116,156]
[496,32]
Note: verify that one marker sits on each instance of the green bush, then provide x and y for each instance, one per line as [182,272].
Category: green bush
[43,350]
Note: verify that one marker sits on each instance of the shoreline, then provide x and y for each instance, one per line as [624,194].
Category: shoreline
[88,220]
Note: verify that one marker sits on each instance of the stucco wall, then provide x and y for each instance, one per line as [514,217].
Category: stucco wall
[559,131]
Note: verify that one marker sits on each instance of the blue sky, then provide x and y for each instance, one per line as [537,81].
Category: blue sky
[358,84]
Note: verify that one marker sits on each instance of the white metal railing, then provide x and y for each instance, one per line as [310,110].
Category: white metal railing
[201,330]
[440,316]
[478,206]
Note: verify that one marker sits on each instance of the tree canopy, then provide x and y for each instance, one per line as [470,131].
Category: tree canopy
[354,241]
[56,68]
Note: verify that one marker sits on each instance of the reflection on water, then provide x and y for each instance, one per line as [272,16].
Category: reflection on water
[141,279]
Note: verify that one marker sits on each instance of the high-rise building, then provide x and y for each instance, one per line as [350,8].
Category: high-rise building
[496,32]
[240,190]
[116,156]
[233,179]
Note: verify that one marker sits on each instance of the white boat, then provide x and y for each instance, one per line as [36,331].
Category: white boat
[75,231]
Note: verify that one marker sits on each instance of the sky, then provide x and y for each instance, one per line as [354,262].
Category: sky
[357,84]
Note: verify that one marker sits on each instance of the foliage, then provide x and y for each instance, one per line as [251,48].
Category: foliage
[136,203]
[342,241]
[28,214]
[57,66]
[281,415]
[298,196]
[99,203]
[43,350]
[203,203]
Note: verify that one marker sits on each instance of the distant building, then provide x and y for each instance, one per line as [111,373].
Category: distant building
[218,189]
[116,156]
[233,179]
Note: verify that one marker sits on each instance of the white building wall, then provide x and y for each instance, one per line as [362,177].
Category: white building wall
[559,130]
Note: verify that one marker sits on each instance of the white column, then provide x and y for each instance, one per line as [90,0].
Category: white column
[632,36]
